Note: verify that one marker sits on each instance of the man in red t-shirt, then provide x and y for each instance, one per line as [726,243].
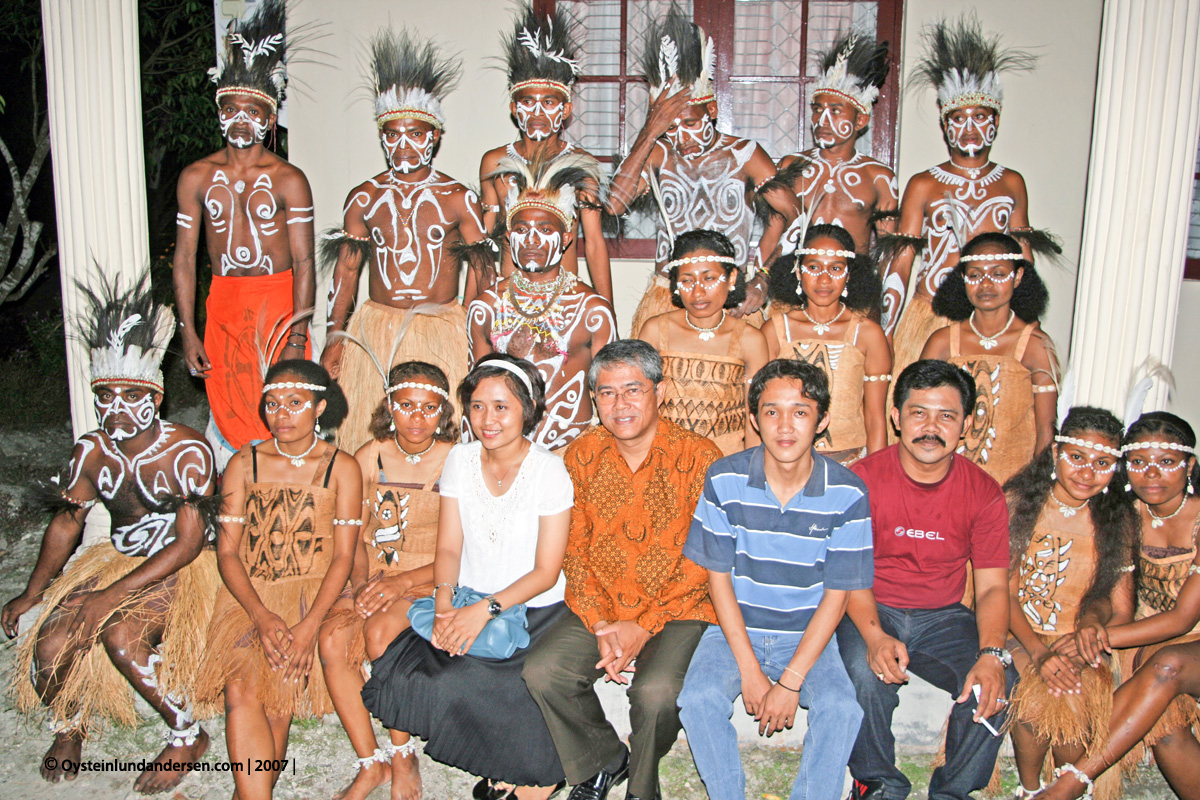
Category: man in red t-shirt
[933,512]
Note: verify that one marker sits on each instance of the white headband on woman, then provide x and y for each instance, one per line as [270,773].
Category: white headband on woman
[1181,448]
[417,385]
[1100,448]
[514,369]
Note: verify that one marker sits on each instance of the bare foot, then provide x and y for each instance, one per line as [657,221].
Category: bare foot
[1066,787]
[376,774]
[152,781]
[64,751]
[406,777]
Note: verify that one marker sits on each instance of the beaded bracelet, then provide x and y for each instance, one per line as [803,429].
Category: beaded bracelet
[347,522]
[1050,387]
[491,208]
[885,377]
[436,586]
[231,518]
[342,233]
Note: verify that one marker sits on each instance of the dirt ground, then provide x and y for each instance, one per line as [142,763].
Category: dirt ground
[322,761]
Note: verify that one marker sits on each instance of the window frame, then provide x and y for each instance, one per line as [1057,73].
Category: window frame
[1191,266]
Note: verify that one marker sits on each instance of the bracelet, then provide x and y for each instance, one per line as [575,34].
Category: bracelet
[231,518]
[347,522]
[797,674]
[436,586]
[790,689]
[872,378]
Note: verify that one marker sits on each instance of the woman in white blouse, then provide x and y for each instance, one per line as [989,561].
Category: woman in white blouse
[502,531]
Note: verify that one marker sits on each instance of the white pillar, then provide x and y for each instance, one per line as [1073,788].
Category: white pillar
[1145,130]
[93,80]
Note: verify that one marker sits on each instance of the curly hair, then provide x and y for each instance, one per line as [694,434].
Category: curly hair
[1115,522]
[1029,299]
[863,286]
[380,426]
[693,241]
[307,371]
[1168,426]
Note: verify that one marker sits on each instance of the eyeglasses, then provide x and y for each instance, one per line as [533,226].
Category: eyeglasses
[631,395]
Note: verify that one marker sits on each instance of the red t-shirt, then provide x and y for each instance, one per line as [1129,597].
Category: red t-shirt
[926,532]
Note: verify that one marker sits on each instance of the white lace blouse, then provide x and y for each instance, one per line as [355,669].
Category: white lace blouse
[500,533]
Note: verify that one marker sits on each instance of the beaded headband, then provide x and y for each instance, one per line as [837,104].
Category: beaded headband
[417,385]
[1182,448]
[249,91]
[969,99]
[514,369]
[541,83]
[312,387]
[534,202]
[821,251]
[679,262]
[408,113]
[992,257]
[1102,448]
[854,101]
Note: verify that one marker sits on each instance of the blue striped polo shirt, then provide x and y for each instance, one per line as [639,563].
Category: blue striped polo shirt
[782,558]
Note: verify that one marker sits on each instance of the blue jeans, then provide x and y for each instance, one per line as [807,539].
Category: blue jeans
[943,644]
[712,684]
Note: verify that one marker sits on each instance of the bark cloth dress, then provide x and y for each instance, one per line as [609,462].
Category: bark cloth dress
[1055,573]
[287,546]
[845,439]
[706,393]
[476,714]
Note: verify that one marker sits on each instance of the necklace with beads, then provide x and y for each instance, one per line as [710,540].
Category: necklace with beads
[297,460]
[989,342]
[973,173]
[822,328]
[1068,510]
[1157,522]
[413,458]
[706,334]
[530,289]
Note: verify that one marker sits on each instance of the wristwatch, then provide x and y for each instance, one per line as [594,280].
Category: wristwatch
[999,652]
[494,609]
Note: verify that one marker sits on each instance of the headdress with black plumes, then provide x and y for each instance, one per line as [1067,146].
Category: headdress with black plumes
[541,53]
[551,184]
[255,59]
[855,68]
[126,332]
[411,77]
[678,53]
[964,64]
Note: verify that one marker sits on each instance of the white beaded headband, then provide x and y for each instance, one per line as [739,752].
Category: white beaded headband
[514,369]
[992,257]
[679,262]
[1103,448]
[416,385]
[312,387]
[1182,448]
[821,251]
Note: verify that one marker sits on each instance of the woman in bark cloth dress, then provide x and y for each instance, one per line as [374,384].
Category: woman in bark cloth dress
[502,531]
[1073,534]
[831,296]
[996,298]
[412,430]
[286,544]
[1157,705]
[708,356]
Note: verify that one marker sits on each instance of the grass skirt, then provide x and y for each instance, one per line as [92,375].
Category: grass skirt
[94,689]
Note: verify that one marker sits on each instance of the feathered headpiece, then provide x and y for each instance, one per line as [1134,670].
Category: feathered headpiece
[541,53]
[963,64]
[679,53]
[255,58]
[855,68]
[126,332]
[411,78]
[551,183]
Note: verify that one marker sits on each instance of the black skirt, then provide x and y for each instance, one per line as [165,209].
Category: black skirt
[473,714]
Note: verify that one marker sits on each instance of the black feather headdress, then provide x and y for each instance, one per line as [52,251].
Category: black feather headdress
[255,59]
[411,76]
[855,68]
[678,53]
[541,52]
[964,64]
[126,332]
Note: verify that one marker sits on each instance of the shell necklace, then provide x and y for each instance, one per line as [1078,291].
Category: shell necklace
[297,460]
[1157,521]
[1068,510]
[413,458]
[989,342]
[706,334]
[822,328]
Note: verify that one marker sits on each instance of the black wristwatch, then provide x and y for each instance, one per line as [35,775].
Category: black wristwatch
[999,652]
[494,608]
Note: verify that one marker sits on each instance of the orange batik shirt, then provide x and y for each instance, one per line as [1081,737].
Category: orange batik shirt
[624,556]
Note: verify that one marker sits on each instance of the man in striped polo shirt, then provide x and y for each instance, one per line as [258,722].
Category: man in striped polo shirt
[785,534]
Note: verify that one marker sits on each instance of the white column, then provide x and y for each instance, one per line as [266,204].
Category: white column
[1145,129]
[93,79]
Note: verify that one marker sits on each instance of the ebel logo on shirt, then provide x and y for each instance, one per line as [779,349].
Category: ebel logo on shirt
[913,533]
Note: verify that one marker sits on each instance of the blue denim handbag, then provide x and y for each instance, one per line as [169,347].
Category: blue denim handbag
[500,637]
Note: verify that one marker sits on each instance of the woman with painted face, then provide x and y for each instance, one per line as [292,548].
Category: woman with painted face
[995,299]
[502,532]
[709,356]
[1073,536]
[831,297]
[412,432]
[1157,705]
[288,527]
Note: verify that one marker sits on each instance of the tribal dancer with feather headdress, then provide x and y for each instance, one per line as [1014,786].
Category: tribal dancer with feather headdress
[129,611]
[411,226]
[257,213]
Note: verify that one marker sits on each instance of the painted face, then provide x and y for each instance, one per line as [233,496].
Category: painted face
[990,284]
[823,277]
[540,113]
[244,120]
[971,129]
[693,131]
[125,410]
[495,414]
[626,402]
[290,412]
[787,421]
[409,143]
[834,120]
[703,287]
[1157,476]
[537,240]
[416,412]
[1082,471]
[931,423]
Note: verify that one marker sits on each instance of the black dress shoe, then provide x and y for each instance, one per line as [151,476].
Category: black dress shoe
[484,790]
[629,796]
[865,790]
[598,786]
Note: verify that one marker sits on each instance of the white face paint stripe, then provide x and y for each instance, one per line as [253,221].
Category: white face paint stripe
[183,220]
[295,220]
[424,152]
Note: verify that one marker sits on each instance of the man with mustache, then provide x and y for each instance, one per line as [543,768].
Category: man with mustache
[410,226]
[935,515]
[543,64]
[257,213]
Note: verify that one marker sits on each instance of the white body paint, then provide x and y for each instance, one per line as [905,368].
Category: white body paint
[525,245]
[955,131]
[966,209]
[226,207]
[424,152]
[259,130]
[140,412]
[828,186]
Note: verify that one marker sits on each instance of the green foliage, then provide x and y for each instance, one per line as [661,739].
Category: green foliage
[33,381]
